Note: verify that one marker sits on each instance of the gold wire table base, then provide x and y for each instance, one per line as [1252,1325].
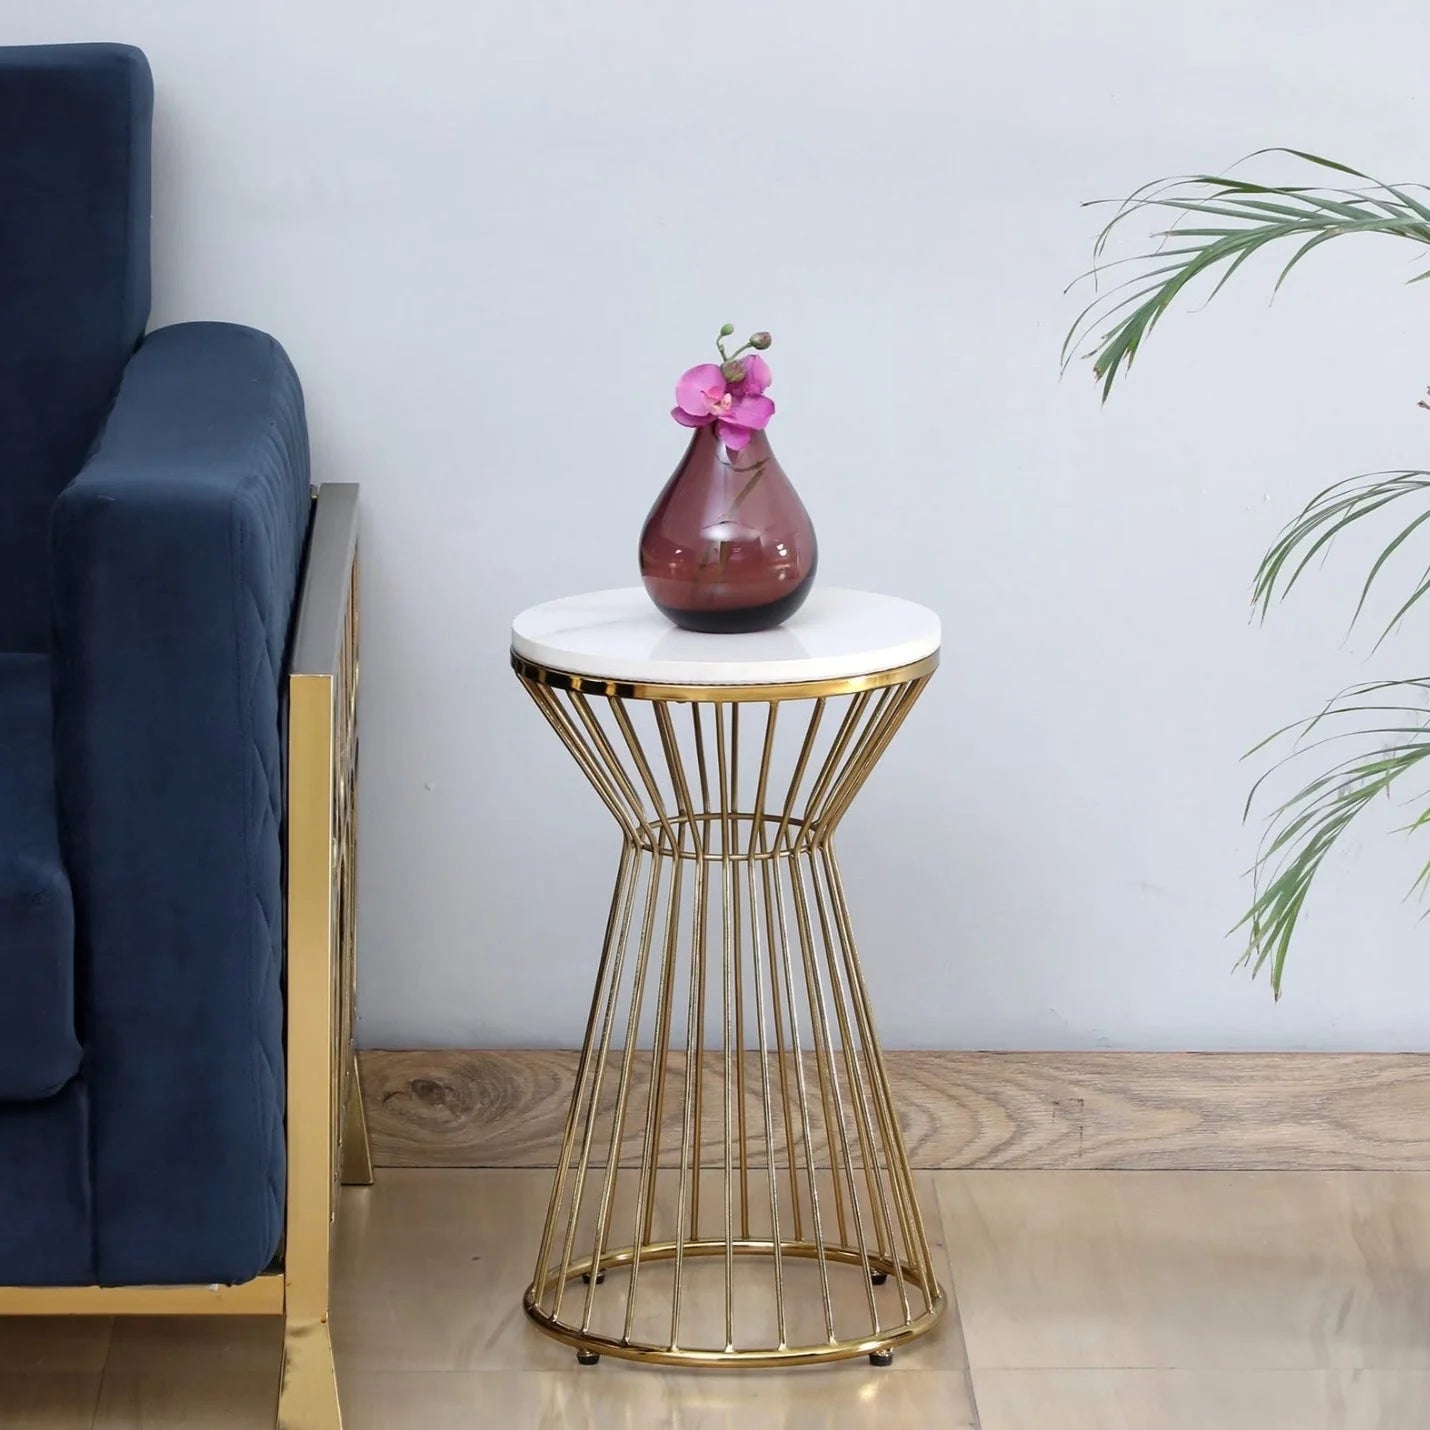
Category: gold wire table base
[732,1187]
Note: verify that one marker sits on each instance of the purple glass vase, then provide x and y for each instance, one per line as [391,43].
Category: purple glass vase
[728,545]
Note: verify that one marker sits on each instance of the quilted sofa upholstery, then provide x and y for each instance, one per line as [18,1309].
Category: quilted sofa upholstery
[157,495]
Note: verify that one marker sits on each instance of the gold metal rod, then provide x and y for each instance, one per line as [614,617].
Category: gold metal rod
[758,832]
[902,704]
[699,724]
[766,1101]
[623,1087]
[905,1197]
[823,1052]
[655,1105]
[740,1038]
[769,872]
[729,797]
[898,1152]
[805,750]
[701,934]
[862,756]
[546,702]
[732,804]
[623,720]
[660,1043]
[812,993]
[676,768]
[868,1153]
[690,1127]
[722,775]
[854,761]
[849,1039]
[593,1113]
[825,1039]
[727,999]
[830,767]
[583,1072]
[757,827]
[616,770]
[586,761]
[782,924]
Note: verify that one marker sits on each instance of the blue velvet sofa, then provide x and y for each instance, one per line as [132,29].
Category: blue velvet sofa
[164,581]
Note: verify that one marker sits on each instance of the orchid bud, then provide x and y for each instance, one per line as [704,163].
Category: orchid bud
[733,371]
[760,341]
[726,329]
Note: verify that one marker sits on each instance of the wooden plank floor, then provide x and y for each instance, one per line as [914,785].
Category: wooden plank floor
[1085,1301]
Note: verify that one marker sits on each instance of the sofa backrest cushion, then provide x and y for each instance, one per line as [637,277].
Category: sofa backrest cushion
[74,286]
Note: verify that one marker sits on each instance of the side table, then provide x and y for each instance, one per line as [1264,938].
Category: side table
[732,1187]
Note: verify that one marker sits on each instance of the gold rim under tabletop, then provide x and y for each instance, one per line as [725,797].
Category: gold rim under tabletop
[754,1356]
[780,690]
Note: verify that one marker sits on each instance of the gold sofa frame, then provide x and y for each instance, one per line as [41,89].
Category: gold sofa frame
[326,1129]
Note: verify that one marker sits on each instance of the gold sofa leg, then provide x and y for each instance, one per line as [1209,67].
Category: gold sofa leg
[308,1396]
[357,1157]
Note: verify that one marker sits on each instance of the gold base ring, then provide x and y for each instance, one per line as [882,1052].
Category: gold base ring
[744,1358]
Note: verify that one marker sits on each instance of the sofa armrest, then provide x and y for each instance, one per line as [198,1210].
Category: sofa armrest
[175,557]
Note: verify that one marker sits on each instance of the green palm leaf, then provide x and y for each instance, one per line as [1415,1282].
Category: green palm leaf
[1255,217]
[1215,224]
[1303,829]
[1326,517]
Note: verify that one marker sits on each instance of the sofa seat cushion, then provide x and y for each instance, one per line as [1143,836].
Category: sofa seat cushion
[39,1052]
[46,1206]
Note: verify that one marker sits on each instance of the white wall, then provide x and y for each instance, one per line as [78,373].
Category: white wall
[492,234]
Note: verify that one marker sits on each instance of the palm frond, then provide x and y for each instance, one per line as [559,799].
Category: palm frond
[1252,217]
[1394,742]
[1325,517]
[1212,225]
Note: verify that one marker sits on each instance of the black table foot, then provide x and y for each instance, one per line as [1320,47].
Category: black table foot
[881,1357]
[591,1357]
[600,1277]
[879,1277]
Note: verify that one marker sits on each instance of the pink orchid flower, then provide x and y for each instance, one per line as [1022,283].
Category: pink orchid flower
[703,396]
[757,375]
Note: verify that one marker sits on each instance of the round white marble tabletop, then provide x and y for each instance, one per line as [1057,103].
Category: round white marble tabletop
[619,635]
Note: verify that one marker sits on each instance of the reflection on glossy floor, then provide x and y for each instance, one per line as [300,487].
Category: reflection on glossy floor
[1084,1301]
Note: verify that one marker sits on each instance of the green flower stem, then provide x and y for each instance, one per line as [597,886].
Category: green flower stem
[719,551]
